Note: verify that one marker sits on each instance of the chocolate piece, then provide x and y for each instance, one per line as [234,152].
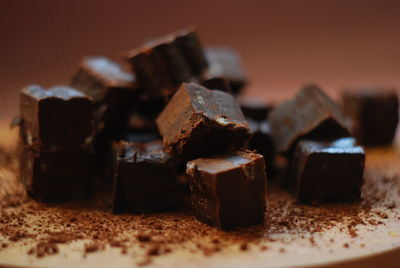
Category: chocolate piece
[199,122]
[262,142]
[146,180]
[228,191]
[225,62]
[310,114]
[254,108]
[57,176]
[113,90]
[219,83]
[375,114]
[57,119]
[160,66]
[100,77]
[328,171]
[192,50]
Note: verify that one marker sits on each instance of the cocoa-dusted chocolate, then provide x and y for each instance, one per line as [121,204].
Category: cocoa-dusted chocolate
[57,176]
[310,114]
[225,62]
[261,141]
[328,171]
[57,119]
[146,179]
[375,114]
[228,191]
[199,122]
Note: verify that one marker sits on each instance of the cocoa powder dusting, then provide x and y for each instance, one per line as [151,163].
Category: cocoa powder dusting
[44,227]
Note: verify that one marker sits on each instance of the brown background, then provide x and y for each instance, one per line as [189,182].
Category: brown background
[283,43]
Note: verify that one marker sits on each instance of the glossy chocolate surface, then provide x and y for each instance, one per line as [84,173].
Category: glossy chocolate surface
[228,191]
[328,171]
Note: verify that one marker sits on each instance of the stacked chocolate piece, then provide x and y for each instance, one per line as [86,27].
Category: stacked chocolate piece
[113,92]
[309,129]
[56,133]
[257,112]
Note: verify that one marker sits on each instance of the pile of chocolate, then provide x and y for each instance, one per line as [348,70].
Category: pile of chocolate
[176,134]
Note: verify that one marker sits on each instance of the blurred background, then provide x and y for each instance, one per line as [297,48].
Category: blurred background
[283,44]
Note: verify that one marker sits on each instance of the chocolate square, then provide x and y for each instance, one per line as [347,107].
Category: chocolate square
[310,114]
[199,122]
[57,176]
[146,179]
[225,62]
[228,191]
[57,119]
[328,171]
[375,114]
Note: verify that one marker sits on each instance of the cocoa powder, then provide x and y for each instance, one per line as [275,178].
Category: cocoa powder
[45,227]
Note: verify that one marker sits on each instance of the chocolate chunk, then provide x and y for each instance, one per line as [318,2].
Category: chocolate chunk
[160,67]
[57,176]
[57,119]
[310,114]
[375,114]
[262,142]
[228,191]
[199,122]
[254,108]
[225,62]
[113,90]
[328,171]
[219,83]
[100,77]
[146,179]
[192,50]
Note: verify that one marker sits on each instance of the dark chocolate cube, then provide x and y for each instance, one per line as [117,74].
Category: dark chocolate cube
[57,119]
[192,50]
[113,90]
[309,115]
[160,67]
[225,62]
[199,122]
[57,176]
[375,114]
[228,191]
[328,171]
[100,77]
[262,142]
[146,179]
[254,108]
